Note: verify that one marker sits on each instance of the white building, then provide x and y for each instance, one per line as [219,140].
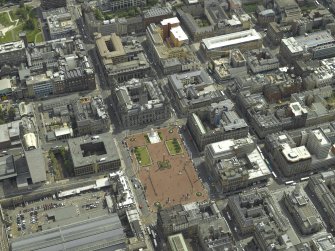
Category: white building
[30,141]
[318,144]
[293,160]
[243,40]
[227,149]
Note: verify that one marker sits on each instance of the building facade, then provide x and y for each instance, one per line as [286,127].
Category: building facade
[140,102]
[216,122]
[95,154]
[106,5]
[302,211]
[52,4]
[183,218]
[193,90]
[91,116]
[13,53]
[121,62]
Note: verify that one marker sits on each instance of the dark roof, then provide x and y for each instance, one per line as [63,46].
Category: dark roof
[36,164]
[7,167]
[93,234]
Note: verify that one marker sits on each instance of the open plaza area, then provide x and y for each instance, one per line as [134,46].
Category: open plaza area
[165,169]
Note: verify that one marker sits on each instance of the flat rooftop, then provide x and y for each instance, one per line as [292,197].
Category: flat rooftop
[295,154]
[222,146]
[7,168]
[172,20]
[157,11]
[36,163]
[321,137]
[297,109]
[229,144]
[316,38]
[87,150]
[8,47]
[231,39]
[179,33]
[109,47]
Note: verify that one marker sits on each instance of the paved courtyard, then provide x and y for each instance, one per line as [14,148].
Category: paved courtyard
[168,186]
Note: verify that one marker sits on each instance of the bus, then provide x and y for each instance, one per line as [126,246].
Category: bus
[153,234]
[155,243]
[304,178]
[274,175]
[289,182]
[268,164]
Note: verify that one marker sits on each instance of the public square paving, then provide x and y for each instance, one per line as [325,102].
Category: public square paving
[174,184]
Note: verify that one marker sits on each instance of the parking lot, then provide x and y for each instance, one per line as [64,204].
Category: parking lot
[49,212]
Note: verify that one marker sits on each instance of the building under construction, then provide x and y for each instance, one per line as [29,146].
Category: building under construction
[168,44]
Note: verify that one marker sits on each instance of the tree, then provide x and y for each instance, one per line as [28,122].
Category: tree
[22,13]
[2,116]
[30,24]
[11,114]
[98,14]
[62,152]
[131,12]
[152,2]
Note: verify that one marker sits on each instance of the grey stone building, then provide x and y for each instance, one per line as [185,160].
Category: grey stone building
[106,5]
[252,207]
[268,236]
[193,90]
[302,211]
[57,67]
[60,23]
[216,235]
[305,109]
[91,115]
[182,218]
[236,164]
[122,59]
[261,60]
[322,186]
[215,19]
[13,53]
[94,154]
[140,102]
[217,122]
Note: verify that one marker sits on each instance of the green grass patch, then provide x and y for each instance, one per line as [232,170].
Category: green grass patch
[28,22]
[173,146]
[164,164]
[331,101]
[203,22]
[147,138]
[308,7]
[142,155]
[39,38]
[160,135]
[131,12]
[4,19]
[250,7]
